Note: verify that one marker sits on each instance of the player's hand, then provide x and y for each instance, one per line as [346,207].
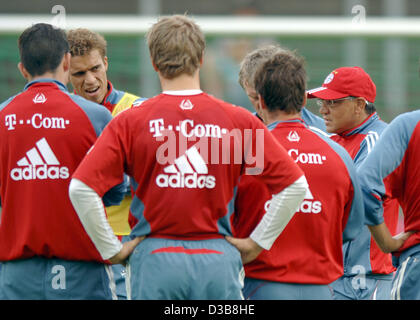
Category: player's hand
[400,238]
[397,241]
[125,251]
[248,248]
[386,242]
[403,235]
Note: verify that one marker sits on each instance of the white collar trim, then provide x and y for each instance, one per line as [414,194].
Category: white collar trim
[183,92]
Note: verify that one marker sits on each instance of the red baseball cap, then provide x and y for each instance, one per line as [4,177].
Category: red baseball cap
[345,82]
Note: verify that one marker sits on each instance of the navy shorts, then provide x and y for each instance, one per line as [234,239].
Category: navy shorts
[56,279]
[163,269]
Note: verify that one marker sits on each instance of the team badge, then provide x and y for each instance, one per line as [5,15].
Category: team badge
[293,136]
[329,78]
[39,98]
[186,105]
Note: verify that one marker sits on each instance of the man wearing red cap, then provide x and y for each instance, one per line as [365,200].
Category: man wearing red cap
[346,103]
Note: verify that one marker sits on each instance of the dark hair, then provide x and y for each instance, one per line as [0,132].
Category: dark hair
[281,81]
[42,48]
[370,108]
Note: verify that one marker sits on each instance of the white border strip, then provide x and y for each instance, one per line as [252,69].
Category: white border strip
[230,25]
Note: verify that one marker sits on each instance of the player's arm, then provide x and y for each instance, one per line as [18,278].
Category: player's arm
[281,210]
[381,162]
[89,207]
[354,211]
[383,238]
[93,178]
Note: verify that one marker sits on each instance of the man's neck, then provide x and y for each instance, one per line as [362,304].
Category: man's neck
[50,75]
[358,121]
[182,82]
[270,117]
[362,119]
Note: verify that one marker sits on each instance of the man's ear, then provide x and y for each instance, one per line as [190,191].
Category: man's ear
[262,109]
[106,63]
[23,71]
[201,60]
[154,65]
[261,102]
[305,99]
[66,61]
[360,105]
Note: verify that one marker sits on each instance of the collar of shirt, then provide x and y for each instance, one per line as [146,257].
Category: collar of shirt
[110,95]
[190,92]
[59,84]
[297,122]
[361,127]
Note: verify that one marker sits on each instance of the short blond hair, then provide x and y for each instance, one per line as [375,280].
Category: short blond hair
[176,45]
[252,62]
[82,41]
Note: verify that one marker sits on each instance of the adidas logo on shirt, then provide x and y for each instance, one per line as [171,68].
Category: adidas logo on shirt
[308,205]
[188,171]
[39,163]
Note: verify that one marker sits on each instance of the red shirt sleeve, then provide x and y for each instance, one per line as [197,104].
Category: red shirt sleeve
[103,166]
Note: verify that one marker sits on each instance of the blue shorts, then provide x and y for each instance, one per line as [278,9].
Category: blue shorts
[406,283]
[56,279]
[256,289]
[119,274]
[164,269]
[362,288]
[1,293]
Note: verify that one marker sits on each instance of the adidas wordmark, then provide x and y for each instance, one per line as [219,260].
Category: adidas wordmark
[40,163]
[188,171]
